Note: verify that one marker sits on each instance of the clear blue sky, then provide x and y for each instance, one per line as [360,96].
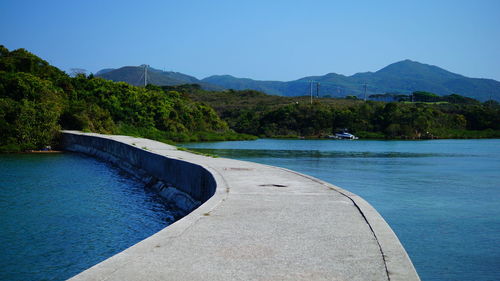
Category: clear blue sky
[269,40]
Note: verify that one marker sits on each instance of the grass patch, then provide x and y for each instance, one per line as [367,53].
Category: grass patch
[370,135]
[172,137]
[10,148]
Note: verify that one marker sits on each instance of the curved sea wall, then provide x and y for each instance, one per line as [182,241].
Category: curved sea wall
[247,221]
[183,183]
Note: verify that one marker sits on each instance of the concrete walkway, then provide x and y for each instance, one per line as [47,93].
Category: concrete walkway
[263,223]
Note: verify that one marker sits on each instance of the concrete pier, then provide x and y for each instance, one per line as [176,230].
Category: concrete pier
[255,222]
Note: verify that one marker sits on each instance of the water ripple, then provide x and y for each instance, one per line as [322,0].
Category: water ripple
[61,214]
[259,153]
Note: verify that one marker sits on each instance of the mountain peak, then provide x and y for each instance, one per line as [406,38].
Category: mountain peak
[414,69]
[134,75]
[220,76]
[405,76]
[407,63]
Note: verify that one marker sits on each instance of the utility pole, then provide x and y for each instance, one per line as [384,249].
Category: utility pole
[311,90]
[317,90]
[365,91]
[145,75]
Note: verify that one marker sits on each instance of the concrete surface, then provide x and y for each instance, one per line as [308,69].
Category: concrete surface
[261,223]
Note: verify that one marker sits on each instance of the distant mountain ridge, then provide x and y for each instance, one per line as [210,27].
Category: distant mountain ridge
[401,77]
[134,75]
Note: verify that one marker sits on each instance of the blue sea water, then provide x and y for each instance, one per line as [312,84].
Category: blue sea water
[441,197]
[62,213]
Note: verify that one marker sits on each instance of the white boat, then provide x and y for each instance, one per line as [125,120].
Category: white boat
[344,135]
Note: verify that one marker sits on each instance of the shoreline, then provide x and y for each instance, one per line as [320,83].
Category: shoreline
[253,219]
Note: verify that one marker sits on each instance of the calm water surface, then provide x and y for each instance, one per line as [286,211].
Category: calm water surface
[441,197]
[61,214]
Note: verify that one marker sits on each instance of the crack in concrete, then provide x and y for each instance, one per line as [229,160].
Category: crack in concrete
[223,190]
[357,207]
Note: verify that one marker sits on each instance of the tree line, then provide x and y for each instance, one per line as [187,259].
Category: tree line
[37,100]
[452,116]
[422,96]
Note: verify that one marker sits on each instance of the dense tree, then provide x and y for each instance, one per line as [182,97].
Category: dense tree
[425,96]
[451,116]
[37,100]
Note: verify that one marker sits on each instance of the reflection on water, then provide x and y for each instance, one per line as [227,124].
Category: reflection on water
[441,197]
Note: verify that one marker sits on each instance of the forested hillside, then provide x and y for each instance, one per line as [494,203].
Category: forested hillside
[402,77]
[428,116]
[37,100]
[137,75]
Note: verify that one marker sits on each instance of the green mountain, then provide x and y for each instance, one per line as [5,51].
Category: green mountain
[134,75]
[401,77]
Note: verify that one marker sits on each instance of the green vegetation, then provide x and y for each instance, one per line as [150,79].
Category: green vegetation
[427,97]
[37,100]
[134,75]
[259,114]
[400,77]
